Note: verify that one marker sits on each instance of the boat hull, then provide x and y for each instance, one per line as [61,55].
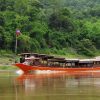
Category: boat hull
[27,68]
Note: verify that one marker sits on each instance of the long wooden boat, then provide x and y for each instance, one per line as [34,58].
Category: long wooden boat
[29,62]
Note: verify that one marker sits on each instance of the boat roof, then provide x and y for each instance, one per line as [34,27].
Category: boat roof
[29,58]
[59,58]
[98,57]
[86,61]
[47,57]
[72,60]
[24,54]
[35,54]
[96,60]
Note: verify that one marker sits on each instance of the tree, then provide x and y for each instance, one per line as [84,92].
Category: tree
[1,37]
[24,43]
[61,21]
[2,20]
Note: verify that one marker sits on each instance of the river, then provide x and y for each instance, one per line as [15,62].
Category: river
[52,86]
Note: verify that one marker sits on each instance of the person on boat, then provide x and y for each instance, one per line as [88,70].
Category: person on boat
[22,59]
[29,60]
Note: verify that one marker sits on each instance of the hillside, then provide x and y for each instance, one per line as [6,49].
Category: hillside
[51,26]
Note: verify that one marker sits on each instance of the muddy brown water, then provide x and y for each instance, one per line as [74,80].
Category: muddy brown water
[56,86]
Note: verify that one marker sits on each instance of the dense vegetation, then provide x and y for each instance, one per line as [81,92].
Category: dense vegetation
[56,26]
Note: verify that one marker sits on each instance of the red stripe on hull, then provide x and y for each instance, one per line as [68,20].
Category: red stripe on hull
[27,68]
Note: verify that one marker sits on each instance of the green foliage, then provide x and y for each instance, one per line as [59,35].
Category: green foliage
[51,26]
[24,43]
[2,20]
[86,47]
[1,37]
[61,21]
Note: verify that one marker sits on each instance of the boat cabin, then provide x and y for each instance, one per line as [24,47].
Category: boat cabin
[25,54]
[86,63]
[72,62]
[52,61]
[97,62]
[57,62]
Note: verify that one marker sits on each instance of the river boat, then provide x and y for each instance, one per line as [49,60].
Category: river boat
[30,62]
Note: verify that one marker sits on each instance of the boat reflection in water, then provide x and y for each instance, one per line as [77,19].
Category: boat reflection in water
[58,86]
[60,83]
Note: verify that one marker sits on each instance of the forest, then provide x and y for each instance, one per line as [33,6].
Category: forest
[51,26]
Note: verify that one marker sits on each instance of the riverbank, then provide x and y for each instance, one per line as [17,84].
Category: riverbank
[6,61]
[7,67]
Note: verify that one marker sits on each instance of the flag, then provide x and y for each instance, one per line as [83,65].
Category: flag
[18,32]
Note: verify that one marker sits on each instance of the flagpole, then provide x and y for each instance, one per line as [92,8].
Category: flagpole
[16,41]
[15,49]
[16,46]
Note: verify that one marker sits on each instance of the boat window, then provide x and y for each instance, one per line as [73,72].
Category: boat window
[68,64]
